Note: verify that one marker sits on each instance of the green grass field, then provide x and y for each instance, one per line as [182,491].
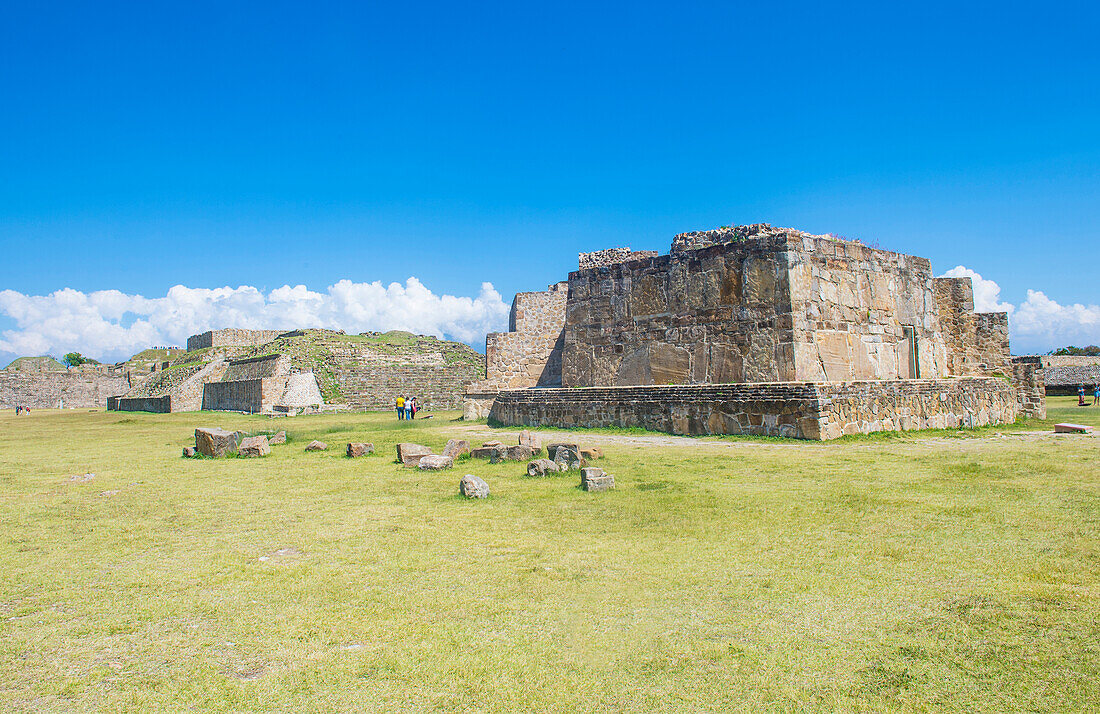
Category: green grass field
[947,571]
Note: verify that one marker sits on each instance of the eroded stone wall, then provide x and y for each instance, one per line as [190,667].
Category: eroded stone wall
[253,396]
[792,409]
[48,390]
[713,315]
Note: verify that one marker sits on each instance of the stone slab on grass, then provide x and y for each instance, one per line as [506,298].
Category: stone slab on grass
[316,446]
[1068,428]
[542,467]
[431,462]
[410,454]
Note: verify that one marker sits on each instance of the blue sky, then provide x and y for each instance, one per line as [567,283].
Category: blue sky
[144,146]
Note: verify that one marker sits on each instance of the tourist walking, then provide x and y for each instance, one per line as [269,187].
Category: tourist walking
[400,407]
[408,409]
[1096,395]
[1081,396]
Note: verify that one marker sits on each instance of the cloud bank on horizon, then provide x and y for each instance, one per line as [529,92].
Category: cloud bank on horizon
[110,325]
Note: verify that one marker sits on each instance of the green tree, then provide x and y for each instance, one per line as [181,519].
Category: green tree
[74,359]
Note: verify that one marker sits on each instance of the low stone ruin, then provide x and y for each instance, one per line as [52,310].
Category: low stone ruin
[254,446]
[411,454]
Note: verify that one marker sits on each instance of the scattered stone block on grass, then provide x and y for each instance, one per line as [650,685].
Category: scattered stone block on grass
[552,449]
[316,446]
[279,438]
[591,453]
[216,442]
[491,444]
[431,462]
[542,467]
[486,452]
[567,458]
[526,438]
[473,487]
[1068,428]
[595,479]
[511,453]
[189,452]
[410,454]
[456,448]
[255,446]
[356,449]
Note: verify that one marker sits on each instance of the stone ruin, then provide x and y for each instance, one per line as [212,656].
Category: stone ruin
[269,372]
[755,330]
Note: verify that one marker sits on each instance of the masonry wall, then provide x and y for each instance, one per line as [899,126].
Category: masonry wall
[229,338]
[159,405]
[799,410]
[1028,380]
[46,390]
[975,343]
[530,353]
[718,314]
[851,305]
[245,395]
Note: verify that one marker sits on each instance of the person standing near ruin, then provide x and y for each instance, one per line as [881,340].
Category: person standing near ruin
[409,408]
[1081,396]
[400,407]
[1096,394]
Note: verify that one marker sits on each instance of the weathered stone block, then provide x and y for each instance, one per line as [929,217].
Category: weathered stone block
[216,441]
[473,487]
[254,446]
[316,446]
[410,454]
[595,479]
[357,449]
[431,462]
[456,447]
[541,467]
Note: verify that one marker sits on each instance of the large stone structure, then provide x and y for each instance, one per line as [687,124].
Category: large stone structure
[751,305]
[1064,374]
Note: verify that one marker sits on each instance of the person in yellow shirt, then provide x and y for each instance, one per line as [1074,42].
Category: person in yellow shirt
[401,408]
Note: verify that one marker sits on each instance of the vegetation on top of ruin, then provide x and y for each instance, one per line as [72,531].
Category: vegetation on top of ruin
[1073,351]
[44,363]
[163,382]
[156,354]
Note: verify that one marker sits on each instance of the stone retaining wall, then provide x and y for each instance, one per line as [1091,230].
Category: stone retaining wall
[48,390]
[794,409]
[242,395]
[611,256]
[159,405]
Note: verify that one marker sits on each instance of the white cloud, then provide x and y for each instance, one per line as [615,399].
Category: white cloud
[111,325]
[1038,324]
[987,294]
